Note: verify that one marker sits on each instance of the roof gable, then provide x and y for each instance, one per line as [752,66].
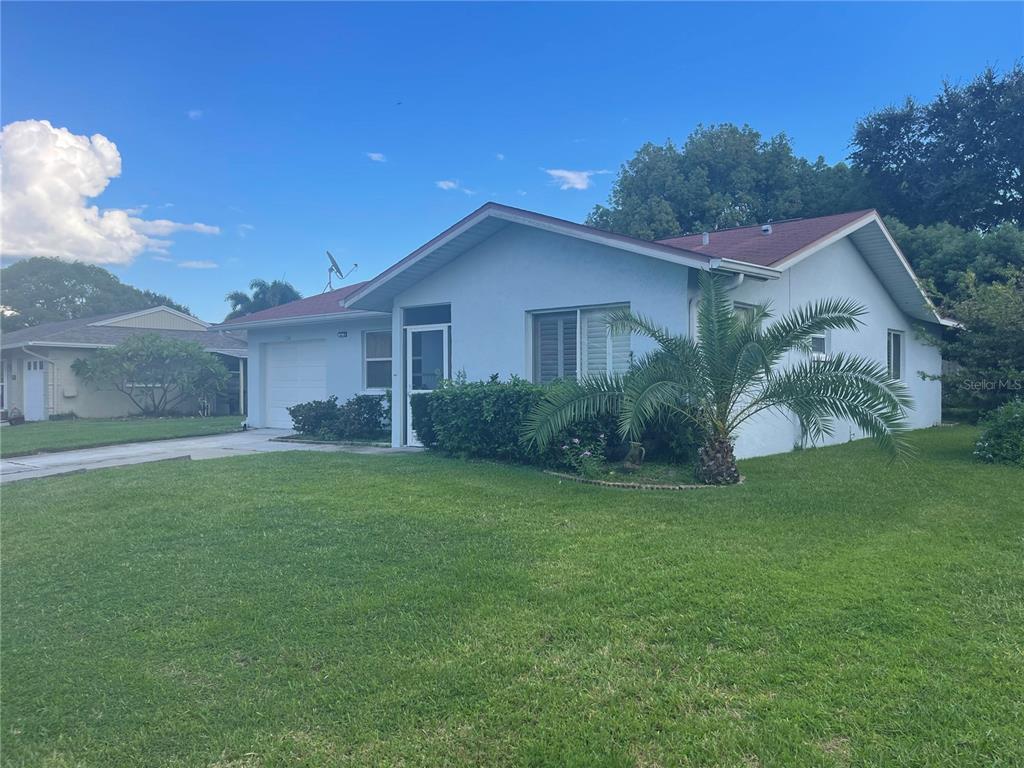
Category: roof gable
[155,318]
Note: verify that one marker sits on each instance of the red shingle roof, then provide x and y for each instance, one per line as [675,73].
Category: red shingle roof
[751,245]
[328,303]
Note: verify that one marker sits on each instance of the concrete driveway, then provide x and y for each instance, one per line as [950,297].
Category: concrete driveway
[207,447]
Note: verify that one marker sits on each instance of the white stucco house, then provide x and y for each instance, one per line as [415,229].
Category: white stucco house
[507,291]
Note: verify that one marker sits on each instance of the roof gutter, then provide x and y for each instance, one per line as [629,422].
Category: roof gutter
[752,270]
[356,314]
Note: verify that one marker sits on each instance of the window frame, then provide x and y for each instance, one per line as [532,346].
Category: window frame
[889,334]
[578,311]
[367,359]
[821,357]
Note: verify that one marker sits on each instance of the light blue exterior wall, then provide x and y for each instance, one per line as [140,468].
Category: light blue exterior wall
[494,286]
[344,357]
[838,270]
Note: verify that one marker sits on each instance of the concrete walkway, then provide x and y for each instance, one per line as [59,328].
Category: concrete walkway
[206,447]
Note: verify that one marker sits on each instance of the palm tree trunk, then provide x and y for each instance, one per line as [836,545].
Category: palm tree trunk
[716,464]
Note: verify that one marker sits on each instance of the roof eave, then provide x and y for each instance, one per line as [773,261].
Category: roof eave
[352,314]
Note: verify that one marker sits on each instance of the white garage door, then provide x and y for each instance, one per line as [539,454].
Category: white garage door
[296,373]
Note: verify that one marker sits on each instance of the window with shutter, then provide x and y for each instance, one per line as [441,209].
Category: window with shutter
[554,346]
[559,338]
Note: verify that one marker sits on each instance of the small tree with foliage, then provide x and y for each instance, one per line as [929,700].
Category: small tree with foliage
[730,373]
[159,375]
[264,296]
[988,348]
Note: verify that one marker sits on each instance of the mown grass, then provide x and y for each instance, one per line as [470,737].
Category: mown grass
[307,609]
[68,434]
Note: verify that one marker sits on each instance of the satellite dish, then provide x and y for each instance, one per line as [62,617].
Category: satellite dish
[334,269]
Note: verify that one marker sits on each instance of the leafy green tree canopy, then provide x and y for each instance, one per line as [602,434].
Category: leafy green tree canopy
[264,296]
[958,159]
[43,290]
[158,374]
[723,176]
[989,347]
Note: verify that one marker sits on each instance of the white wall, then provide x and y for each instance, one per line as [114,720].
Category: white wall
[838,270]
[344,357]
[493,287]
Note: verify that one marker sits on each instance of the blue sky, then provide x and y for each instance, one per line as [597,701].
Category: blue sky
[258,119]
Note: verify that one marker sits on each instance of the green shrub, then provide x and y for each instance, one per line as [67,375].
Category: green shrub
[481,419]
[364,417]
[1002,436]
[422,424]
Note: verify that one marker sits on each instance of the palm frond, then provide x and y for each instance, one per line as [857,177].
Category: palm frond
[567,402]
[843,387]
[795,328]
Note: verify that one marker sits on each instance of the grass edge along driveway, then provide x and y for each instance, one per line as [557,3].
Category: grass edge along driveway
[333,609]
[70,434]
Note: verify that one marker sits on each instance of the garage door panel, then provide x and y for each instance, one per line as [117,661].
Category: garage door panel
[296,372]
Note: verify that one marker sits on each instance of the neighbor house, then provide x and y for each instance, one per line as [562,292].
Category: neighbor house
[36,377]
[511,292]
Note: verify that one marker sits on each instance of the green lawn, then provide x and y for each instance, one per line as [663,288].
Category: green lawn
[66,434]
[304,609]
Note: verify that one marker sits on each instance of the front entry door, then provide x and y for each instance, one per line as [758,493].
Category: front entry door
[34,393]
[427,365]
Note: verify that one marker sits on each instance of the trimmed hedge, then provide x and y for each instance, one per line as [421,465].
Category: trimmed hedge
[364,417]
[1002,436]
[483,420]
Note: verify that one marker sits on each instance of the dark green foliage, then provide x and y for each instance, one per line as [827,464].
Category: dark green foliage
[484,420]
[264,296]
[989,349]
[942,255]
[481,419]
[1002,436]
[957,159]
[723,176]
[160,375]
[44,290]
[315,416]
[422,423]
[363,417]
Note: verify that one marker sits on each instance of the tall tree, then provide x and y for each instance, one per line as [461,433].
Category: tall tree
[958,159]
[723,176]
[42,290]
[264,296]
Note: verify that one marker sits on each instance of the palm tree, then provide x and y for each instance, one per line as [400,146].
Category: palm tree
[264,296]
[731,372]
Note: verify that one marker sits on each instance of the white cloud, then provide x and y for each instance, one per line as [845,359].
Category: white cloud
[49,175]
[195,114]
[572,179]
[198,264]
[500,156]
[377,157]
[158,257]
[451,184]
[245,229]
